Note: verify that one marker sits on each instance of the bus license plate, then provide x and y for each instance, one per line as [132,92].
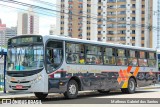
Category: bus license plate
[19,86]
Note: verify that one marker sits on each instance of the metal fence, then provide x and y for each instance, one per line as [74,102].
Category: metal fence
[1,82]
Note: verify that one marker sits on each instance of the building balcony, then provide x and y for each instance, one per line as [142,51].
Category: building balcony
[121,1]
[100,10]
[100,22]
[99,28]
[70,2]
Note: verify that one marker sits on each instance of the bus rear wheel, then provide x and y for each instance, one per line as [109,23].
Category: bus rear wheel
[40,95]
[72,89]
[131,87]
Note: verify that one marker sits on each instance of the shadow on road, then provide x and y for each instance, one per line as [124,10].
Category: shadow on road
[82,97]
[90,95]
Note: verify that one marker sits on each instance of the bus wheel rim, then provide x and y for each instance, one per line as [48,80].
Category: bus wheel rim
[72,89]
[131,85]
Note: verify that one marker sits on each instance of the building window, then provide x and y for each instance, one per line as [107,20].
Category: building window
[88,28]
[122,6]
[62,28]
[99,32]
[133,18]
[110,32]
[88,5]
[111,1]
[133,5]
[133,31]
[99,39]
[143,6]
[142,38]
[133,12]
[122,38]
[143,12]
[133,38]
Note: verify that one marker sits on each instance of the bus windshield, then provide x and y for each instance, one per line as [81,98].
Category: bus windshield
[25,58]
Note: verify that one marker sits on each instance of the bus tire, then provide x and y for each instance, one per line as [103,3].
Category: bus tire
[72,89]
[40,95]
[103,91]
[131,87]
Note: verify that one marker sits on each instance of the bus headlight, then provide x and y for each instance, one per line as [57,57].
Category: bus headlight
[39,77]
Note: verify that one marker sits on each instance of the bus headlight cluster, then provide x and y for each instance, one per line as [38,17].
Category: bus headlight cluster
[38,78]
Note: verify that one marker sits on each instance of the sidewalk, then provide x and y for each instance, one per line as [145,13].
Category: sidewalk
[28,95]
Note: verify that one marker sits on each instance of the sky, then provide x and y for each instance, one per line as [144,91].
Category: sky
[9,15]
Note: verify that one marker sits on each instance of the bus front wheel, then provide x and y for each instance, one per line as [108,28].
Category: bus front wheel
[131,87]
[72,89]
[40,95]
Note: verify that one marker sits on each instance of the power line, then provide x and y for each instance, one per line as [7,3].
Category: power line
[28,5]
[51,4]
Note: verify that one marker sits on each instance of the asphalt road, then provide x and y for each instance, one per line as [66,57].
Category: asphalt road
[98,98]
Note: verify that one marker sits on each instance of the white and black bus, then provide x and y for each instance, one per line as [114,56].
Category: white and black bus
[57,64]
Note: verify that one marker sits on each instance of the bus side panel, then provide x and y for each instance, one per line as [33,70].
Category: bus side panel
[95,77]
[146,78]
[57,85]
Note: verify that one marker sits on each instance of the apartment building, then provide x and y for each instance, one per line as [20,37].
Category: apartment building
[117,21]
[28,22]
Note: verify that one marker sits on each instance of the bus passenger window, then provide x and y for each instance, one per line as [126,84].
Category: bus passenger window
[152,59]
[69,58]
[121,58]
[142,59]
[132,60]
[75,53]
[94,55]
[109,57]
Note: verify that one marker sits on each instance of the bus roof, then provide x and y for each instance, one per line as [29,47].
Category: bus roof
[60,37]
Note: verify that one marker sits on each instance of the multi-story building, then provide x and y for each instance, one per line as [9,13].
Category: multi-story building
[2,33]
[118,21]
[10,32]
[52,30]
[28,23]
